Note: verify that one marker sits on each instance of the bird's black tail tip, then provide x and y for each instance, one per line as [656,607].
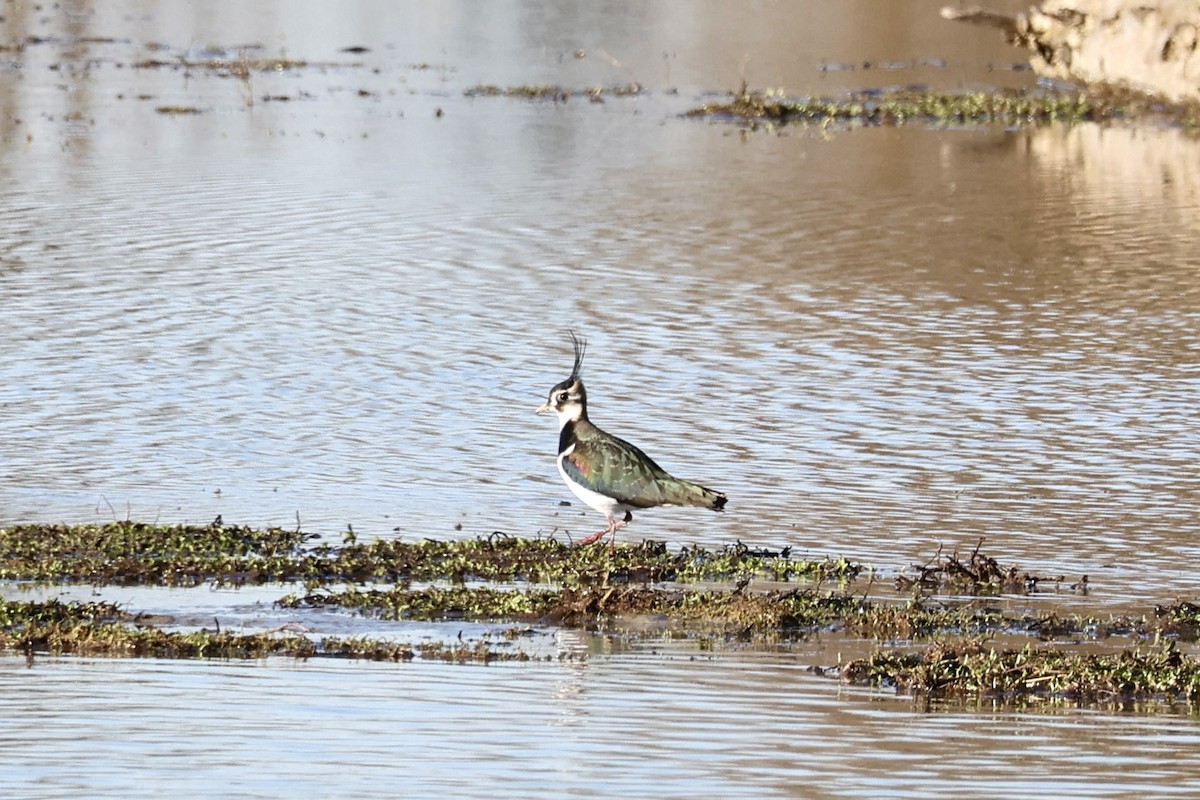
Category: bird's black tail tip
[718,503]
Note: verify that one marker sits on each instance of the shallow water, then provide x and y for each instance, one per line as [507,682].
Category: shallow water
[342,307]
[671,723]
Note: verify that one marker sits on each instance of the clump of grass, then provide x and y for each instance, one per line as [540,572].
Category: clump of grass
[765,612]
[557,94]
[526,92]
[505,558]
[230,67]
[1180,620]
[901,106]
[918,620]
[102,629]
[132,553]
[965,669]
[433,603]
[58,628]
[483,651]
[714,610]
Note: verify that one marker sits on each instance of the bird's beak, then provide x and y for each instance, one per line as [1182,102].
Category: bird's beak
[542,409]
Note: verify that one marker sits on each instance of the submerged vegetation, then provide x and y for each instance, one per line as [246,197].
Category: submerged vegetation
[103,629]
[138,553]
[557,94]
[893,107]
[897,106]
[934,634]
[716,609]
[1158,672]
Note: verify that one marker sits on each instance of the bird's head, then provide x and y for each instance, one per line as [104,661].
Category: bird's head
[568,399]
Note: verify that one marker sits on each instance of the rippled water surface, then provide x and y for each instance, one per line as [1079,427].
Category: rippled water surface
[668,723]
[337,294]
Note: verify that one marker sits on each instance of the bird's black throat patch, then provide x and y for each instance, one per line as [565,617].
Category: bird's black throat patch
[566,436]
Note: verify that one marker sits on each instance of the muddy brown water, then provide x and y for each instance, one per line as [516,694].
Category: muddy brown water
[338,305]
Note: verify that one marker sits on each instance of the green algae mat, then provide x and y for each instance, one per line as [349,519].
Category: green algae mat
[937,628]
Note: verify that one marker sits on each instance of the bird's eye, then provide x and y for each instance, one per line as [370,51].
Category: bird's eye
[562,397]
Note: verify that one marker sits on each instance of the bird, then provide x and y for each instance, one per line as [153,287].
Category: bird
[606,472]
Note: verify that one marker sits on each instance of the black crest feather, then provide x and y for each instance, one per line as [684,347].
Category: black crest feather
[580,348]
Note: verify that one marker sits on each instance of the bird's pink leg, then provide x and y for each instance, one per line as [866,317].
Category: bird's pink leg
[617,523]
[595,537]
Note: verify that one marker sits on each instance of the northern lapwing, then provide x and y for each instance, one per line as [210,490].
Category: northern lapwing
[609,474]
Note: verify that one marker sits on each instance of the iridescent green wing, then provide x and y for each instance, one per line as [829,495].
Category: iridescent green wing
[616,469]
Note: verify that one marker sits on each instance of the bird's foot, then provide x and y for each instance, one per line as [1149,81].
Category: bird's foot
[595,537]
[613,525]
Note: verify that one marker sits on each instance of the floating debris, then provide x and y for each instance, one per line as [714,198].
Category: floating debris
[979,575]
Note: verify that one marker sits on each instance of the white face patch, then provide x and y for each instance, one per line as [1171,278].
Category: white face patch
[568,403]
[569,411]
